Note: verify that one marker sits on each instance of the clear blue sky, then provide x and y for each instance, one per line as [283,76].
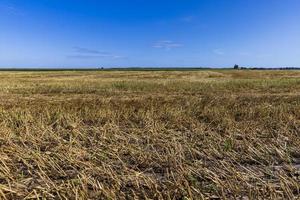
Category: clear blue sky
[152,33]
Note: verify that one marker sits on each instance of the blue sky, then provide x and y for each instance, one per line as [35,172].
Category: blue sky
[150,33]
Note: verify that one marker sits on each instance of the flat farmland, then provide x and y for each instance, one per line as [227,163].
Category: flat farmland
[215,134]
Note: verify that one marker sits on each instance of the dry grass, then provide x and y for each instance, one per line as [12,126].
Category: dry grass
[150,135]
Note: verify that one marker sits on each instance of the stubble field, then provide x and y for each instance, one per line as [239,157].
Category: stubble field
[219,134]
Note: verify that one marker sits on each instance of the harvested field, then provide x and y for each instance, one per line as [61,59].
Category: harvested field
[219,134]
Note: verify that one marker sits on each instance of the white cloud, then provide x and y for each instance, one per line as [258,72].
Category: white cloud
[265,55]
[219,52]
[86,53]
[244,54]
[187,19]
[166,44]
[11,10]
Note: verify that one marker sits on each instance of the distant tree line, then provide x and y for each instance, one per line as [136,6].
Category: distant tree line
[237,67]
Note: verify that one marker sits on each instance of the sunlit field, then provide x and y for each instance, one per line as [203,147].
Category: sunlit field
[219,134]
